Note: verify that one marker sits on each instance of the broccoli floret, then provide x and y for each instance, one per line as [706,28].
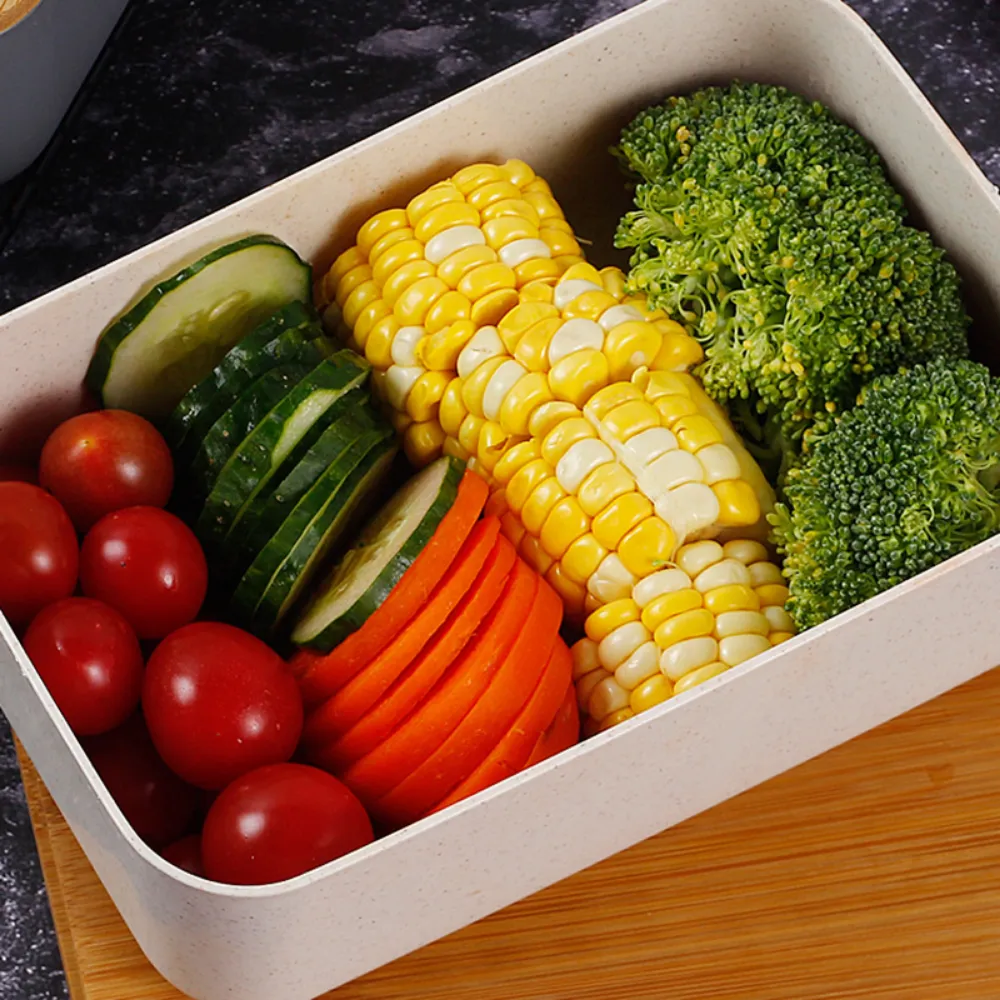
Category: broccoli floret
[770,228]
[906,479]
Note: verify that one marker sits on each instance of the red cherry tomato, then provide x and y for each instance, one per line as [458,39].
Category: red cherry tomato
[278,822]
[89,658]
[148,565]
[101,462]
[17,473]
[39,556]
[218,703]
[159,806]
[186,854]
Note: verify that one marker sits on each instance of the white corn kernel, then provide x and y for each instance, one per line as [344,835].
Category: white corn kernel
[738,648]
[484,345]
[579,461]
[683,657]
[404,344]
[616,315]
[617,646]
[644,447]
[663,581]
[740,623]
[642,664]
[566,291]
[698,556]
[722,574]
[399,381]
[667,472]
[521,250]
[611,580]
[719,463]
[745,550]
[450,241]
[584,657]
[688,509]
[500,384]
[586,684]
[779,619]
[575,335]
[608,696]
[763,573]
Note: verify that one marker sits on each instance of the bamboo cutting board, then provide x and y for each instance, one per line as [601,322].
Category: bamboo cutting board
[871,872]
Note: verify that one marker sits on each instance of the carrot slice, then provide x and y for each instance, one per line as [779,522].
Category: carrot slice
[512,752]
[320,675]
[337,715]
[561,735]
[450,701]
[486,722]
[421,676]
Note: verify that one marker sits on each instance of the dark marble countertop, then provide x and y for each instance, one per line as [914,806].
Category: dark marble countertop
[195,105]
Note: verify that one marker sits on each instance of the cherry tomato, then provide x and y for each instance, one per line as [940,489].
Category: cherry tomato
[186,854]
[17,473]
[278,822]
[89,658]
[219,703]
[39,556]
[148,565]
[159,806]
[97,463]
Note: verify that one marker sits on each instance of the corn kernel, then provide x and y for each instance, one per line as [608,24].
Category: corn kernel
[486,278]
[581,559]
[764,574]
[735,597]
[580,460]
[508,229]
[578,376]
[572,594]
[777,638]
[672,408]
[487,194]
[356,276]
[629,419]
[647,547]
[590,305]
[614,281]
[718,462]
[720,574]
[476,175]
[412,306]
[351,258]
[525,480]
[394,257]
[516,456]
[378,346]
[445,216]
[536,276]
[474,388]
[492,441]
[512,528]
[502,383]
[640,666]
[586,684]
[629,346]
[454,268]
[468,433]
[490,308]
[605,484]
[745,550]
[779,619]
[738,503]
[610,398]
[521,319]
[618,518]
[584,656]
[367,318]
[424,398]
[617,646]
[574,335]
[440,350]
[678,352]
[611,580]
[363,295]
[539,504]
[533,553]
[447,310]
[378,225]
[545,417]
[591,603]
[696,432]
[485,345]
[688,625]
[740,623]
[537,290]
[422,442]
[517,207]
[687,655]
[389,239]
[667,605]
[698,556]
[559,243]
[564,525]
[558,224]
[738,648]
[663,581]
[452,411]
[403,277]
[529,392]
[650,693]
[611,616]
[562,436]
[615,719]
[440,194]
[518,172]
[532,348]
[543,203]
[699,676]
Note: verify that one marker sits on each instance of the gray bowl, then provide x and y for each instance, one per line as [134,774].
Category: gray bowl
[44,58]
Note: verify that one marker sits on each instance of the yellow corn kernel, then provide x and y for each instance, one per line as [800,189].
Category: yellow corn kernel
[586,683]
[568,260]
[400,421]
[516,207]
[454,267]
[543,203]
[614,614]
[631,418]
[560,244]
[521,319]
[734,597]
[740,623]
[422,442]
[687,655]
[615,719]
[378,225]
[424,398]
[607,697]
[361,296]
[772,595]
[468,433]
[518,172]
[496,504]
[487,194]
[524,481]
[378,346]
[489,309]
[653,384]
[440,350]
[538,184]
[533,553]
[367,318]
[512,528]
[738,648]
[448,309]
[650,693]
[777,638]
[592,603]
[514,458]
[558,224]
[582,271]
[545,417]
[667,605]
[647,547]
[605,484]
[537,275]
[475,385]
[440,194]
[699,676]
[738,503]
[585,660]
[577,376]
[356,276]
[678,352]
[532,348]
[529,392]
[640,302]
[539,504]
[475,175]
[590,305]
[619,517]
[539,290]
[640,666]
[454,449]
[564,434]
[614,282]
[572,594]
[621,643]
[394,257]
[688,625]
[764,574]
[672,408]
[611,397]
[403,277]
[486,278]
[581,559]
[695,432]
[412,306]
[631,345]
[778,619]
[508,228]
[389,239]
[492,440]
[452,410]
[564,525]
[445,216]
[347,261]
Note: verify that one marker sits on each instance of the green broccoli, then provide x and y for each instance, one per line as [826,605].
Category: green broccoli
[905,480]
[770,228]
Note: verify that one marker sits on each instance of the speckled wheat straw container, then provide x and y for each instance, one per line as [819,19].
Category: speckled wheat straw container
[559,111]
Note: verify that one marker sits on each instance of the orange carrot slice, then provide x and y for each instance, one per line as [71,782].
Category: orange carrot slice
[428,668]
[561,735]
[336,715]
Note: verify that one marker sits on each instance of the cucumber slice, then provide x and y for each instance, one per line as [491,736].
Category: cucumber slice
[272,447]
[177,333]
[287,564]
[225,435]
[278,340]
[363,579]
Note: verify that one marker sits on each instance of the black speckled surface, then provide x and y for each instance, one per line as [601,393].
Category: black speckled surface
[199,104]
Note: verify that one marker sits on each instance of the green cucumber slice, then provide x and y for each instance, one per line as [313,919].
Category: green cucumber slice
[225,435]
[272,447]
[288,563]
[179,331]
[278,340]
[363,579]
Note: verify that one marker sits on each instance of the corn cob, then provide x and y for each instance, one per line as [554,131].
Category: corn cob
[718,606]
